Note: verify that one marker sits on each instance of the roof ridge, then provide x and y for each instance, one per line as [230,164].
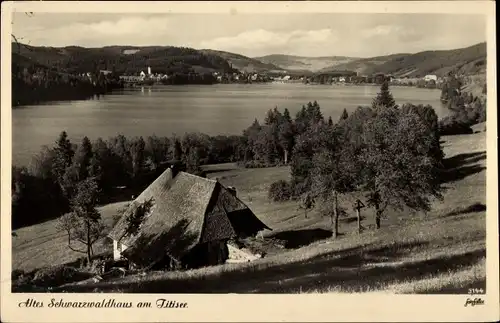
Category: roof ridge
[203,178]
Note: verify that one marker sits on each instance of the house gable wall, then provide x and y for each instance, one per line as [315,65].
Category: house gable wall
[118,248]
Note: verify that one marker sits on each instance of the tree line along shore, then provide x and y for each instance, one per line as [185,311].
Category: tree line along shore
[33,83]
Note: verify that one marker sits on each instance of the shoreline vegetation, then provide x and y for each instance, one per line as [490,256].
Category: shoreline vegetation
[37,86]
[371,155]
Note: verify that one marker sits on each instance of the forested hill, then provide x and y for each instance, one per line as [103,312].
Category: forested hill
[244,63]
[124,59]
[469,60]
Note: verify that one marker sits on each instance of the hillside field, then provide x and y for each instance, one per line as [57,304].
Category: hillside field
[469,61]
[299,63]
[442,251]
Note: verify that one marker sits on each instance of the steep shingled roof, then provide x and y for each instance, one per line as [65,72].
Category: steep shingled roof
[187,210]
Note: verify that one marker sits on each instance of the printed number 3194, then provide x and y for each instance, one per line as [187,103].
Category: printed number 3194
[473,291]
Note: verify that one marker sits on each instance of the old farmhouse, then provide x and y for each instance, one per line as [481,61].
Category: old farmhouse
[186,222]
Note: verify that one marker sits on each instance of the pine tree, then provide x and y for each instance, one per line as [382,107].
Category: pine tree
[286,116]
[79,169]
[63,155]
[177,150]
[137,154]
[120,147]
[330,121]
[316,115]
[270,117]
[384,98]
[278,117]
[82,158]
[344,115]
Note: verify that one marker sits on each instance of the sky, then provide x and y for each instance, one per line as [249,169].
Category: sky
[253,35]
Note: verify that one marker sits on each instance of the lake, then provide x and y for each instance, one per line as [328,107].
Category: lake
[164,110]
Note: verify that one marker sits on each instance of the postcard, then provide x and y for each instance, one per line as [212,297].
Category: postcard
[249,161]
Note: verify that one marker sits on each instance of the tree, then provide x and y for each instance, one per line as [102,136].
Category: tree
[120,147]
[286,137]
[82,158]
[330,121]
[42,164]
[273,117]
[301,123]
[79,168]
[384,98]
[314,114]
[265,147]
[251,135]
[304,149]
[177,149]
[429,117]
[156,149]
[83,224]
[333,173]
[197,142]
[401,169]
[344,115]
[63,156]
[286,116]
[135,219]
[137,146]
[104,166]
[192,161]
[307,202]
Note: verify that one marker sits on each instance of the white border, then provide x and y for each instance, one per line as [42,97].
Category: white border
[251,308]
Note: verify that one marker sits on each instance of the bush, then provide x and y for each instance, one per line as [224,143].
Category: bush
[280,191]
[17,273]
[452,126]
[22,281]
[58,275]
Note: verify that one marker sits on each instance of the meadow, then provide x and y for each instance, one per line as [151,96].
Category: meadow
[443,251]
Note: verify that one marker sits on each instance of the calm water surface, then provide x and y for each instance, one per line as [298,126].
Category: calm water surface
[164,110]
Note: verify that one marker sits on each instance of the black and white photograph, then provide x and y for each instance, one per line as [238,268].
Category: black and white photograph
[172,152]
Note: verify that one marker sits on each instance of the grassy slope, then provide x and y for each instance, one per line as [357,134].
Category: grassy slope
[289,62]
[469,60]
[443,249]
[363,65]
[43,245]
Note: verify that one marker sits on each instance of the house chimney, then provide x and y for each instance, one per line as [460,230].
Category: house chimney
[174,170]
[232,190]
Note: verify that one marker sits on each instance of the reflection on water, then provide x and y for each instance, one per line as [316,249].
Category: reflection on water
[163,110]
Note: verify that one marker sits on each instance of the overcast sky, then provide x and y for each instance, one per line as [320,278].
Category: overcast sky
[359,35]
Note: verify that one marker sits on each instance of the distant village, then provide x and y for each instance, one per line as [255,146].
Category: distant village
[218,77]
[343,78]
[428,81]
